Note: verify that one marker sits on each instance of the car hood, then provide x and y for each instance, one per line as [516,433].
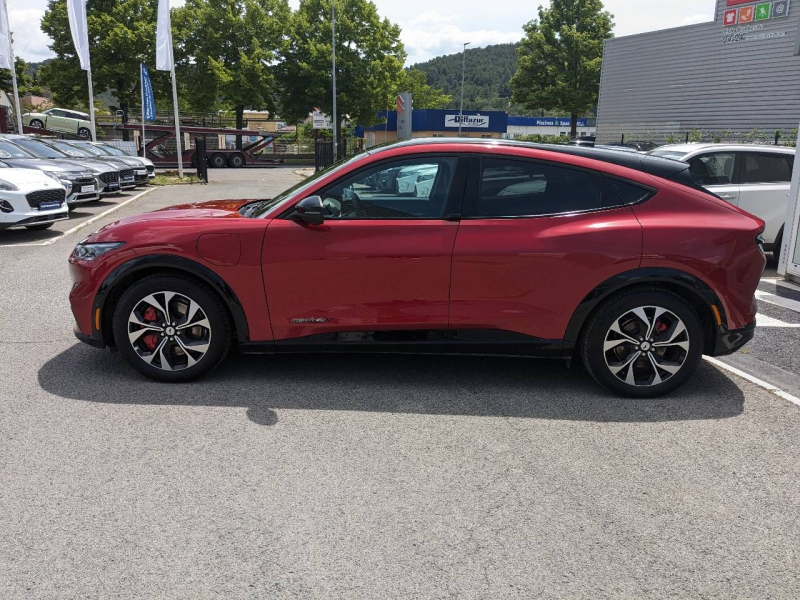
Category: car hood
[130,161]
[100,166]
[47,164]
[27,178]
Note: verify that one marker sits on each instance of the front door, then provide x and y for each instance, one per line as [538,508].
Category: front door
[378,270]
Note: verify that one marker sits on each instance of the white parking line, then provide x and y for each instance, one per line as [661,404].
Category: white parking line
[759,382]
[778,300]
[84,224]
[765,321]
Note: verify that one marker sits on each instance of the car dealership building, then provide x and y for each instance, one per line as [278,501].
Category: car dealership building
[738,73]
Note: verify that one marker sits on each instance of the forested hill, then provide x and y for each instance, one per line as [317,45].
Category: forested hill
[486,81]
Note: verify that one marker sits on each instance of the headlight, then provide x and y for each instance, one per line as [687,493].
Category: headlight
[92,251]
[7,186]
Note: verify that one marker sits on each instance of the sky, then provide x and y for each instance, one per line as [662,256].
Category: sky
[430,27]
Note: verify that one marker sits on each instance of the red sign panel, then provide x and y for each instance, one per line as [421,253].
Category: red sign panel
[730,17]
[738,2]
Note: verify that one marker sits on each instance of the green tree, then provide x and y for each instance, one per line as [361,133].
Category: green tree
[559,59]
[369,61]
[227,53]
[26,83]
[425,96]
[121,35]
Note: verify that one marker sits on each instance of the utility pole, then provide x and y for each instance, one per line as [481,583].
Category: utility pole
[463,69]
[333,72]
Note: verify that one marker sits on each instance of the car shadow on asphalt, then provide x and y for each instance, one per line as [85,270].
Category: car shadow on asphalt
[26,236]
[434,385]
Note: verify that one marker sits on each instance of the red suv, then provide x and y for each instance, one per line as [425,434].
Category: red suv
[494,247]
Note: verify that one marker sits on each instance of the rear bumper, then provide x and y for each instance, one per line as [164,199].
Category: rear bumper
[730,341]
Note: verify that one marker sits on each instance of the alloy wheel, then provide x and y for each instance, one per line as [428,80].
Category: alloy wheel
[169,331]
[646,346]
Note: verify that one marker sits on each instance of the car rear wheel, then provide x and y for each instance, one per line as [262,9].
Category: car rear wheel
[643,343]
[171,329]
[84,133]
[218,161]
[36,124]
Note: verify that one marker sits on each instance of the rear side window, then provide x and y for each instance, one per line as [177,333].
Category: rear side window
[712,169]
[760,167]
[629,193]
[528,188]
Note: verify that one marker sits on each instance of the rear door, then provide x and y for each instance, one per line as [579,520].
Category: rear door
[715,171]
[764,180]
[377,271]
[535,238]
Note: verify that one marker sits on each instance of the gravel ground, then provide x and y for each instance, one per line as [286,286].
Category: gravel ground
[373,476]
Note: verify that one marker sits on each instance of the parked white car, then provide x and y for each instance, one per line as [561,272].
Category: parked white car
[407,178]
[30,198]
[753,177]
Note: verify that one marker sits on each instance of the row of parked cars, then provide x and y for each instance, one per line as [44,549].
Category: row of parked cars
[41,180]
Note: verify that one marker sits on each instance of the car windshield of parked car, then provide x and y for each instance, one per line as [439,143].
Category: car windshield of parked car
[93,150]
[40,149]
[71,150]
[258,209]
[113,151]
[8,150]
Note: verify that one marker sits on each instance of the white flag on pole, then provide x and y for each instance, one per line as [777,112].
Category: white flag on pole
[6,60]
[163,38]
[76,11]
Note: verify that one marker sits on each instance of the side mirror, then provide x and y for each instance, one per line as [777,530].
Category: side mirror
[310,210]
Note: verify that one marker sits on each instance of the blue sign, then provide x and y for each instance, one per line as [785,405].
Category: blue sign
[148,101]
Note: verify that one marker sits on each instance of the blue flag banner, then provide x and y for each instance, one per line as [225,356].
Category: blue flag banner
[148,101]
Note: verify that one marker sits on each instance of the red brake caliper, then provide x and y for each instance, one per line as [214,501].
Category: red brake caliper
[151,339]
[660,327]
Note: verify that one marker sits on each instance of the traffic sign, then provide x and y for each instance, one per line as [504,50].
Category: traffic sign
[746,14]
[762,11]
[730,17]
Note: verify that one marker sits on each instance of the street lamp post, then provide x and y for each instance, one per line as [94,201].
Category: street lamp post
[463,68]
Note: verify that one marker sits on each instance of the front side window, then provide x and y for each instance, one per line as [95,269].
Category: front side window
[712,169]
[405,189]
[55,112]
[760,167]
[520,188]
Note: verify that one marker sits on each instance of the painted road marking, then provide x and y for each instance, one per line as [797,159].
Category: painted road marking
[759,382]
[82,225]
[778,301]
[765,321]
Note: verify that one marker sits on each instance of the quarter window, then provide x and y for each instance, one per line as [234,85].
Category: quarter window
[712,169]
[408,189]
[519,188]
[760,167]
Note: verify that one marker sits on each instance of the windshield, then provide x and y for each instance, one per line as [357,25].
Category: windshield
[112,150]
[39,149]
[71,150]
[255,210]
[8,150]
[93,150]
[673,154]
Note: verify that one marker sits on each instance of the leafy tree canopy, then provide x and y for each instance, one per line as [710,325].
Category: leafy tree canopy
[425,96]
[559,58]
[26,82]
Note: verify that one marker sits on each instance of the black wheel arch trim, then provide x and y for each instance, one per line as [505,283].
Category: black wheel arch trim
[152,262]
[641,276]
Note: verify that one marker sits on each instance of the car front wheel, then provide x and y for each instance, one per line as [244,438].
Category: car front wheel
[643,343]
[171,329]
[36,124]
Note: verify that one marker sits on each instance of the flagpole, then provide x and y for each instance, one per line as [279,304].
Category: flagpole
[141,76]
[91,99]
[177,122]
[13,72]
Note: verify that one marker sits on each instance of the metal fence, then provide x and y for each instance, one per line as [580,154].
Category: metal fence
[780,137]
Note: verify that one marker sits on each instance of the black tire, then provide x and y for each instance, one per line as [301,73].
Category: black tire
[599,325]
[220,331]
[84,133]
[236,161]
[39,227]
[218,161]
[36,124]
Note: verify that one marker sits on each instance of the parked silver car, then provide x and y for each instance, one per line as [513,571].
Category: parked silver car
[144,170]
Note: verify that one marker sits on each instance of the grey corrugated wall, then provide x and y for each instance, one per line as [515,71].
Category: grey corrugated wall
[686,78]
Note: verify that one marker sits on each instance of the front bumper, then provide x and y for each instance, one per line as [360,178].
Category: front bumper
[732,340]
[37,219]
[91,340]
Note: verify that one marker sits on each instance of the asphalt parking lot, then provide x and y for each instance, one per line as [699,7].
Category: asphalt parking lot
[378,477]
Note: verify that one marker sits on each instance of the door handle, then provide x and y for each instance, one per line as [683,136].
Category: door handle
[727,196]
